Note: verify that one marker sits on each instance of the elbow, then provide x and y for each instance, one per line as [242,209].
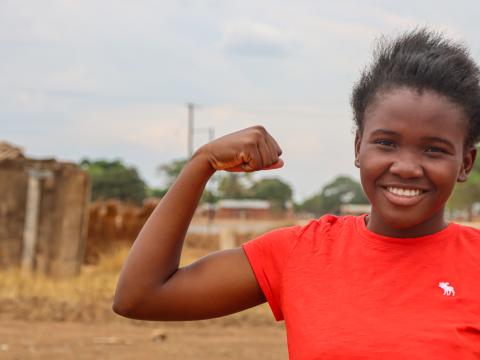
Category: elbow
[125,306]
[134,307]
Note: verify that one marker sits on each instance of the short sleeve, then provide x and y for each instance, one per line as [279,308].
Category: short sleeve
[268,255]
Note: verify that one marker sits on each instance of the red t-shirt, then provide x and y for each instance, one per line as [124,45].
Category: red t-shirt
[348,293]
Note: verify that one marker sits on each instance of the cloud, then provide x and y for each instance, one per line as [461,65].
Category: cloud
[111,78]
[345,30]
[255,39]
[402,22]
[154,127]
[75,77]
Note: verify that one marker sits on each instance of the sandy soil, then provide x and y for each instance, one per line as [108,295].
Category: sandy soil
[22,340]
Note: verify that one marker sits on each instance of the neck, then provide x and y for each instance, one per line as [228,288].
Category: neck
[378,225]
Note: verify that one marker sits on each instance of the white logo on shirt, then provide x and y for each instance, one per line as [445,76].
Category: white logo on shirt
[448,290]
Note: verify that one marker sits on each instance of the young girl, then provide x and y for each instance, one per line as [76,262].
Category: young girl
[399,283]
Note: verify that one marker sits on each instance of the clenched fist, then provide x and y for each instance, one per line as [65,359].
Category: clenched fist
[246,150]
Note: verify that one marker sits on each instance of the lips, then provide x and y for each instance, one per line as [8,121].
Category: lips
[403,196]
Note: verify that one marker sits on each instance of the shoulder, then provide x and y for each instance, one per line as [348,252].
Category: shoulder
[468,230]
[469,233]
[327,225]
[285,239]
[324,224]
[467,245]
[468,239]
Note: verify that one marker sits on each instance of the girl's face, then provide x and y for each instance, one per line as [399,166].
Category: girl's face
[410,154]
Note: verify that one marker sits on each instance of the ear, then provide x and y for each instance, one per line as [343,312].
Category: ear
[358,142]
[467,165]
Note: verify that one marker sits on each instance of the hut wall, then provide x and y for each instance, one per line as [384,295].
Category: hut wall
[13,183]
[62,215]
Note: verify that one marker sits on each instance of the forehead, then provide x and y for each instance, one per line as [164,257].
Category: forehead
[410,112]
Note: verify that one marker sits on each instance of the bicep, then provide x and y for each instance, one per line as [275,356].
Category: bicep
[218,284]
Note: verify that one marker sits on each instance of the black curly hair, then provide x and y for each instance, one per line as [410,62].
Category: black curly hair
[422,60]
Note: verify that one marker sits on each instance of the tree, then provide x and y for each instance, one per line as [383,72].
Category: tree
[342,190]
[171,170]
[208,196]
[274,190]
[156,192]
[232,185]
[112,179]
[312,205]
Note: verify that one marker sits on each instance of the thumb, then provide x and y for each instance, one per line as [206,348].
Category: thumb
[279,164]
[246,167]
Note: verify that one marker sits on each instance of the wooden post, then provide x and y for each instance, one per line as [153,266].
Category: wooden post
[227,238]
[30,233]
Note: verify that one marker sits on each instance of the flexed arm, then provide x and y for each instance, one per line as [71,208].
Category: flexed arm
[151,284]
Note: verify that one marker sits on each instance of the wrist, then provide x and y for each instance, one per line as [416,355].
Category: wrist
[201,159]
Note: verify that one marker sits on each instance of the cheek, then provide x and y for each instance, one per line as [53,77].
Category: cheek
[373,163]
[444,179]
[367,188]
[371,169]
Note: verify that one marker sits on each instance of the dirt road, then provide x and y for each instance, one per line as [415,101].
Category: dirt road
[22,340]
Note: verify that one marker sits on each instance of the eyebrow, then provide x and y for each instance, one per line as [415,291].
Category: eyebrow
[425,138]
[438,139]
[384,132]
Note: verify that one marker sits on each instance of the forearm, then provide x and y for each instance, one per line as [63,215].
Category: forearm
[155,255]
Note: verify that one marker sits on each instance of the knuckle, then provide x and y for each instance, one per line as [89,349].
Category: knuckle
[256,136]
[252,142]
[252,147]
[259,130]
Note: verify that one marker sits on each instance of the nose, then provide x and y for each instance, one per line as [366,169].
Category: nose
[406,167]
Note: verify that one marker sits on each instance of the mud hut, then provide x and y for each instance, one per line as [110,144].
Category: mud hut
[43,213]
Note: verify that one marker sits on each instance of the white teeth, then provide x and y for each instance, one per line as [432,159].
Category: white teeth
[404,192]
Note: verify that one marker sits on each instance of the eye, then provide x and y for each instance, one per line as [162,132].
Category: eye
[385,142]
[435,149]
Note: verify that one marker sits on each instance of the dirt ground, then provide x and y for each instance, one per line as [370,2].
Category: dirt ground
[44,318]
[22,340]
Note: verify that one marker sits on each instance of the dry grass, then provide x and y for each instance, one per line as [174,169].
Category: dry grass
[84,297]
[88,297]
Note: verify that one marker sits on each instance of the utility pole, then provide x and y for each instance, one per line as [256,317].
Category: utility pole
[192,130]
[191,110]
[211,133]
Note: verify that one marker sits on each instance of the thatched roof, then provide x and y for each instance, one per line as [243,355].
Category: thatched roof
[8,151]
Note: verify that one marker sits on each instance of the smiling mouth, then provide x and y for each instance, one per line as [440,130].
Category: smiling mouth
[404,192]
[403,197]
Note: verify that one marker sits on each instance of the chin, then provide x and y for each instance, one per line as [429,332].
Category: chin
[402,220]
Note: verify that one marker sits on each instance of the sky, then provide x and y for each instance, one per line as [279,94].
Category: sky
[111,79]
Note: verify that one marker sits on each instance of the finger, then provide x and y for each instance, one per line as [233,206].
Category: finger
[246,168]
[274,147]
[264,152]
[253,161]
[272,140]
[272,153]
[238,168]
[247,161]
